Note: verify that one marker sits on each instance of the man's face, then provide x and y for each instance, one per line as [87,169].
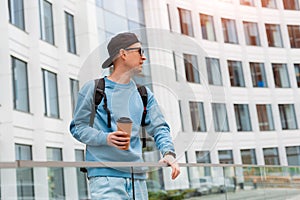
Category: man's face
[135,58]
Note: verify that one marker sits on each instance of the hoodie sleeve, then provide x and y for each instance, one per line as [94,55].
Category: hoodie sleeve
[79,126]
[158,128]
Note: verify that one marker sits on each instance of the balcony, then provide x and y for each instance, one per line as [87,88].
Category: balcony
[63,180]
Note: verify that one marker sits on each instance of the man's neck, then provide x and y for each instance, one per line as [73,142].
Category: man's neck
[120,77]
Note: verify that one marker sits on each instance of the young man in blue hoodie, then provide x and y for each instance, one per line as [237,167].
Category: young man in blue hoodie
[106,144]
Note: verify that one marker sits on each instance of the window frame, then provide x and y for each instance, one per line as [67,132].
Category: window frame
[47,102]
[70,33]
[15,19]
[16,82]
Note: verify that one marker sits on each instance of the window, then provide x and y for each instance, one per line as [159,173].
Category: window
[204,157]
[265,117]
[207,27]
[181,115]
[70,30]
[297,73]
[16,13]
[268,3]
[56,186]
[281,76]
[191,68]
[274,35]
[236,74]
[220,117]
[247,2]
[287,116]
[74,92]
[294,35]
[258,74]
[175,65]
[197,116]
[46,21]
[213,71]
[271,156]
[225,157]
[50,94]
[186,24]
[242,117]
[248,156]
[81,177]
[293,155]
[20,85]
[229,31]
[251,33]
[25,181]
[291,4]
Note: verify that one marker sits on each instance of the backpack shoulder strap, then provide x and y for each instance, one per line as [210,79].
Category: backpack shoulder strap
[144,95]
[97,98]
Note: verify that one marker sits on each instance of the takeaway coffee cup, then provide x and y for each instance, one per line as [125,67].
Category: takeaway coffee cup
[125,124]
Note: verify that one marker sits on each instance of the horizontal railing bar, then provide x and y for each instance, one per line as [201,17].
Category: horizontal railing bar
[8,164]
[29,163]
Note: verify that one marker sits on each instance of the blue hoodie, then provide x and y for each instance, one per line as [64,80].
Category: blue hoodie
[123,100]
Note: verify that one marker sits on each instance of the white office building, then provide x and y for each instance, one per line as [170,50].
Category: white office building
[225,72]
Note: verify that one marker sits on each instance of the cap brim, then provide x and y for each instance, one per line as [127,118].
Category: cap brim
[107,63]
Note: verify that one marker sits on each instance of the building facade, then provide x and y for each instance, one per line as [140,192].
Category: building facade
[226,74]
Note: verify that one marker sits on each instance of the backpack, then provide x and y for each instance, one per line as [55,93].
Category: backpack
[99,94]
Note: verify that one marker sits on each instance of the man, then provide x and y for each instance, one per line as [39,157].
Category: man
[106,144]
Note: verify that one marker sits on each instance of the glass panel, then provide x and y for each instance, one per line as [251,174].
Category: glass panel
[225,157]
[297,73]
[70,30]
[181,115]
[248,156]
[229,31]
[291,4]
[251,33]
[213,71]
[220,117]
[271,156]
[197,116]
[191,68]
[274,35]
[293,155]
[81,177]
[115,23]
[50,94]
[281,76]
[16,13]
[258,75]
[46,21]
[242,117]
[115,6]
[236,74]
[20,85]
[265,117]
[207,27]
[55,175]
[204,157]
[247,2]
[135,10]
[269,3]
[294,35]
[287,116]
[74,86]
[186,24]
[25,182]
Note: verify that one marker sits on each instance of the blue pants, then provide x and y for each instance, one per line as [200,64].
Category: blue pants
[117,188]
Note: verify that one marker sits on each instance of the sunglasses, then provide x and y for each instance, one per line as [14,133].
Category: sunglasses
[140,50]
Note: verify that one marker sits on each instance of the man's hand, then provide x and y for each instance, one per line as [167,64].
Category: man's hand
[118,139]
[170,160]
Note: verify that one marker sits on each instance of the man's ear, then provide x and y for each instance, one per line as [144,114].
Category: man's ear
[122,53]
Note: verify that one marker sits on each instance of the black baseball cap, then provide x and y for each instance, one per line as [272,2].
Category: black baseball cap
[120,41]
